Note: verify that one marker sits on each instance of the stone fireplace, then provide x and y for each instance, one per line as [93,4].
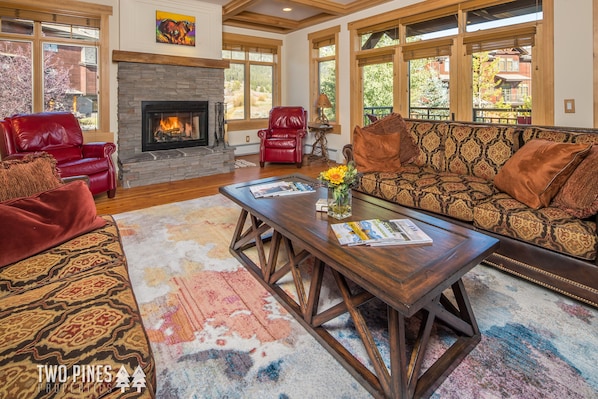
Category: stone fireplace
[151,85]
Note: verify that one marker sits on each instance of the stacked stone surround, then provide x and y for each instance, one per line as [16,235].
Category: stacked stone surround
[139,82]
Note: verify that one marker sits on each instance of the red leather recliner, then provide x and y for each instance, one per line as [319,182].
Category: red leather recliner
[282,141]
[59,134]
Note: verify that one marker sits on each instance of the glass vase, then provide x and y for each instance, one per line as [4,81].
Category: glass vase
[339,202]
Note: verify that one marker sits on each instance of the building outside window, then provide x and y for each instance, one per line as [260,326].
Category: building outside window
[62,76]
[489,46]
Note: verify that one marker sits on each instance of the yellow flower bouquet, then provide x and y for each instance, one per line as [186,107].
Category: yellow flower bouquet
[339,180]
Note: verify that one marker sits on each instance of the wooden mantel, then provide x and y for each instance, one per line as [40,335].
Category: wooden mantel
[148,58]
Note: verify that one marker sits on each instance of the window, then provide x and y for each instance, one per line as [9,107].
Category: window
[489,43]
[252,82]
[54,62]
[324,71]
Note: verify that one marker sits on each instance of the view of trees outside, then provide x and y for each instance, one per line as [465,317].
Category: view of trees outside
[327,76]
[65,88]
[378,88]
[428,89]
[261,90]
[234,91]
[16,79]
[261,82]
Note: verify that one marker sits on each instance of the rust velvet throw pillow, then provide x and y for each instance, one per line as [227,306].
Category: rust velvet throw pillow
[579,194]
[29,225]
[536,172]
[29,175]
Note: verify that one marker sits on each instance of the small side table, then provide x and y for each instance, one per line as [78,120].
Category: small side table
[320,146]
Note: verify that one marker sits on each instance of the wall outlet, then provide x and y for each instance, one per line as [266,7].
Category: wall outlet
[247,139]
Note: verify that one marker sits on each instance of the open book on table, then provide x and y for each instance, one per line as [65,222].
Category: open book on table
[377,232]
[279,188]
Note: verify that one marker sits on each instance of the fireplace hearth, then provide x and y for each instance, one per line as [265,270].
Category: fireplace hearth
[173,124]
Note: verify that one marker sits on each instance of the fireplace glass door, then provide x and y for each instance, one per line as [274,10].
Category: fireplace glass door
[174,124]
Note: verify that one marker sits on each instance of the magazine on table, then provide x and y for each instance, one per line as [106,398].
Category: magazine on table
[377,232]
[279,188]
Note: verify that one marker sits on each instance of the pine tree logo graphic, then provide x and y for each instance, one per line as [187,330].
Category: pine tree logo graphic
[123,379]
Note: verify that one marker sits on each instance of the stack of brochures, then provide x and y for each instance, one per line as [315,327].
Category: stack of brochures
[279,188]
[376,232]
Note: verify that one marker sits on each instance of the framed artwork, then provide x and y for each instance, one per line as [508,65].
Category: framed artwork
[175,28]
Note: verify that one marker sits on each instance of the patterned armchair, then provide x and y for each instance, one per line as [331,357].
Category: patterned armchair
[282,141]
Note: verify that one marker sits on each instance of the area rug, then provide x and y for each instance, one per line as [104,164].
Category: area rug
[216,333]
[242,163]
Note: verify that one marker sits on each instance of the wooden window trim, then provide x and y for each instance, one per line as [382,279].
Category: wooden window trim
[76,12]
[246,43]
[460,73]
[319,39]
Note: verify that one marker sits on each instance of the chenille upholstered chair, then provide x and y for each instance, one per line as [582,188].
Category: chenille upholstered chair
[282,141]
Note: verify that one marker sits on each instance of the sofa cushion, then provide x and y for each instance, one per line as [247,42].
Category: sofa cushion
[478,150]
[84,319]
[579,194]
[85,166]
[29,175]
[392,124]
[429,138]
[376,152]
[535,173]
[32,224]
[95,249]
[549,227]
[423,188]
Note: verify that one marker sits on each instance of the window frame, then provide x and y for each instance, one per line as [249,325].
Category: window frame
[74,13]
[316,41]
[245,43]
[461,105]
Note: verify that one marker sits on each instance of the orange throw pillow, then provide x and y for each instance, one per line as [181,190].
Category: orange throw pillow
[376,152]
[579,194]
[394,123]
[29,175]
[30,225]
[536,172]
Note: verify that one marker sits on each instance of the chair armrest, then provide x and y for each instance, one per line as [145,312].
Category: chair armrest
[301,133]
[263,133]
[69,179]
[98,150]
[348,152]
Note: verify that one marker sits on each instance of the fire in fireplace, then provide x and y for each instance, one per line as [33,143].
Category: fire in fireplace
[174,124]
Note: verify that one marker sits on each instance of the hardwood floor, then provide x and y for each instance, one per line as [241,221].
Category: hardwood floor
[129,199]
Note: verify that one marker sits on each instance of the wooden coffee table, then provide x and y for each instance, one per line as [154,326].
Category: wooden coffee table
[274,236]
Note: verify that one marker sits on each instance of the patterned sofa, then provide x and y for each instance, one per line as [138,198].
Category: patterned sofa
[453,178]
[69,322]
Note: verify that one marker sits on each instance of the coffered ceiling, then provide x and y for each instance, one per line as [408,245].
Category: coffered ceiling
[275,16]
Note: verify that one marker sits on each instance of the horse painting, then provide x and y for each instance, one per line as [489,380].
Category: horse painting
[169,30]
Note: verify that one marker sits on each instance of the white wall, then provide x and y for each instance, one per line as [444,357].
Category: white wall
[573,62]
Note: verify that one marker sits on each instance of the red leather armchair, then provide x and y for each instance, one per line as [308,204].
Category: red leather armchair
[59,134]
[282,141]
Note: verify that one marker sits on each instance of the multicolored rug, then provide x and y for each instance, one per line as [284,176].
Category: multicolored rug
[216,332]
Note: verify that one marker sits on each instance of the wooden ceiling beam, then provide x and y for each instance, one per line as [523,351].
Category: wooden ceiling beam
[236,7]
[266,20]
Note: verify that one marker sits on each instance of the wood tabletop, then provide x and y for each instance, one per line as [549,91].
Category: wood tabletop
[405,277]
